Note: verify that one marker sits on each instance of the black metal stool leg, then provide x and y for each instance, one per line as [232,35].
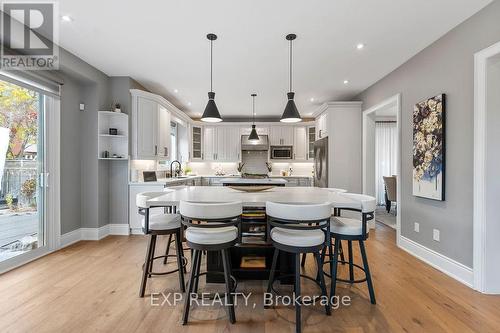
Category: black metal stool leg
[145,268]
[179,260]
[272,274]
[341,251]
[187,297]
[351,267]
[303,262]
[168,249]
[367,271]
[196,272]
[229,295]
[322,284]
[298,323]
[153,249]
[333,268]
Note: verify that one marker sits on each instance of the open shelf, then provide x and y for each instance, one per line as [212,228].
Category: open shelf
[113,144]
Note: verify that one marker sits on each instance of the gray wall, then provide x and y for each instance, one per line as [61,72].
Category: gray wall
[446,66]
[117,176]
[93,192]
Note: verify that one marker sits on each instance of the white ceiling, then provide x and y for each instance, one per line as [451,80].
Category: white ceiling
[162,45]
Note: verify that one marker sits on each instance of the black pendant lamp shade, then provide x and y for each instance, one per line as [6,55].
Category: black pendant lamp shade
[211,113]
[253,134]
[291,114]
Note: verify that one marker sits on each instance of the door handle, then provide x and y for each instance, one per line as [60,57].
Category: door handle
[156,150]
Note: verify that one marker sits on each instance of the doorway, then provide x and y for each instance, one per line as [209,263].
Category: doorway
[486,170]
[382,161]
[28,221]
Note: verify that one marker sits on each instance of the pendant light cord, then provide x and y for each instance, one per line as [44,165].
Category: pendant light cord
[211,64]
[290,65]
[253,110]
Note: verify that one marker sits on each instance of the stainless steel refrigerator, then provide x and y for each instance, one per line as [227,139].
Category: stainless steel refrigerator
[321,162]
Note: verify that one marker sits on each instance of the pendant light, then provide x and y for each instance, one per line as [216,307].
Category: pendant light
[211,113]
[253,134]
[291,114]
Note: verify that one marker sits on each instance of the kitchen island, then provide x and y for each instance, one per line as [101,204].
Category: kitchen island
[255,245]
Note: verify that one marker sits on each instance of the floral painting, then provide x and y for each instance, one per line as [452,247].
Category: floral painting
[429,148]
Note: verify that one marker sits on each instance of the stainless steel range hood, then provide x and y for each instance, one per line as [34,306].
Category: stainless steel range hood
[261,144]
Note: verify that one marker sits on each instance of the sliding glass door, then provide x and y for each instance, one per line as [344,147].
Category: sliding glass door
[23,173]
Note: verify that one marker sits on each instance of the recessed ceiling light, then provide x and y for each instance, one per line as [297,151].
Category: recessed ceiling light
[67,18]
[346,81]
[360,46]
[189,103]
[176,91]
[311,99]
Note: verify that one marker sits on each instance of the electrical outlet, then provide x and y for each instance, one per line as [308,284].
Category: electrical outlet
[417,227]
[435,234]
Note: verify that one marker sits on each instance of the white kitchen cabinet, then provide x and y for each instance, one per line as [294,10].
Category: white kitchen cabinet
[196,143]
[150,130]
[281,135]
[300,149]
[209,143]
[134,219]
[146,131]
[311,137]
[164,138]
[221,143]
[322,126]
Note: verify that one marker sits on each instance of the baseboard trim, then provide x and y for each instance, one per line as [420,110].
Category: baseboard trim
[71,237]
[119,229]
[94,233]
[450,267]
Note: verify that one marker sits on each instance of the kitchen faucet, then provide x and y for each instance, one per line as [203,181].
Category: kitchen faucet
[177,171]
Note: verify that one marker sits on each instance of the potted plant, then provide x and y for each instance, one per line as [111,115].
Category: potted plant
[118,107]
[240,167]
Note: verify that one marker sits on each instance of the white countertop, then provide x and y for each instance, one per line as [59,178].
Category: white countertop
[292,195]
[166,181]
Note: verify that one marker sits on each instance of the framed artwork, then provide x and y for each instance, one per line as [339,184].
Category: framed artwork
[429,148]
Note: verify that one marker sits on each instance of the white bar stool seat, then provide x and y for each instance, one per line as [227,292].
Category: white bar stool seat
[211,236]
[163,222]
[346,226]
[300,238]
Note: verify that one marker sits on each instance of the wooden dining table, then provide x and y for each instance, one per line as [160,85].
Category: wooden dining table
[253,202]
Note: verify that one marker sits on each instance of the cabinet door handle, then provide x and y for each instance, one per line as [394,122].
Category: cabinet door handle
[165,151]
[156,150]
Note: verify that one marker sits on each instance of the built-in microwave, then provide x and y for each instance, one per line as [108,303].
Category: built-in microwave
[281,152]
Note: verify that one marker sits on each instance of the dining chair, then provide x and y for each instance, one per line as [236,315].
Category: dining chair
[299,229]
[156,225]
[351,229]
[211,227]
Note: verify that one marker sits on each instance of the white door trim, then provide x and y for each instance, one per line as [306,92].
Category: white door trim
[480,137]
[397,100]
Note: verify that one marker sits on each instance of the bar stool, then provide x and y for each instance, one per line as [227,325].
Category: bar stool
[351,229]
[154,225]
[341,251]
[299,229]
[217,229]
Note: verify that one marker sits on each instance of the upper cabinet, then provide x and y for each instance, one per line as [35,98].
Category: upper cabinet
[322,126]
[151,127]
[144,129]
[281,135]
[221,143]
[311,137]
[196,143]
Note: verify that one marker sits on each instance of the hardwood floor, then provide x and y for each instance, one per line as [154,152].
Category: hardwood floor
[94,285]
